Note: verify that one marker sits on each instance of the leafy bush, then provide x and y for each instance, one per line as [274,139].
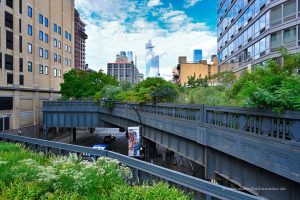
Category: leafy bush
[275,86]
[27,175]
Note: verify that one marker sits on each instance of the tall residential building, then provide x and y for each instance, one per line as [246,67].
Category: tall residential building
[80,38]
[36,43]
[152,61]
[197,55]
[201,69]
[250,32]
[123,69]
[130,56]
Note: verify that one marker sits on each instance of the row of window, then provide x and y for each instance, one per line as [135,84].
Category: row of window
[253,31]
[251,12]
[275,16]
[45,70]
[44,20]
[287,37]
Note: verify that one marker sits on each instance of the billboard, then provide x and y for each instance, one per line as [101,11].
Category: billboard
[134,141]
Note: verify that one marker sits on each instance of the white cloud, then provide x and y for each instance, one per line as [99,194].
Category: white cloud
[191,3]
[107,37]
[153,3]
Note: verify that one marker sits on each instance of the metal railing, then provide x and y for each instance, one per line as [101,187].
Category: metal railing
[140,168]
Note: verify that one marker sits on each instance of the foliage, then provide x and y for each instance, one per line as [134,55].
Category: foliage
[27,175]
[274,86]
[197,82]
[150,90]
[212,95]
[79,84]
[223,79]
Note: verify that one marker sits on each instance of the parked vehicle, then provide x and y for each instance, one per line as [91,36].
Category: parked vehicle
[109,139]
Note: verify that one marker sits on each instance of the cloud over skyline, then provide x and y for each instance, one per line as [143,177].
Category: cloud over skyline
[116,25]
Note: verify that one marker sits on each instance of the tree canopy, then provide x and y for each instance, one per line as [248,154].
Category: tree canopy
[79,84]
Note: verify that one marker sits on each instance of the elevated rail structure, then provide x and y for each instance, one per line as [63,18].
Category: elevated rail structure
[251,148]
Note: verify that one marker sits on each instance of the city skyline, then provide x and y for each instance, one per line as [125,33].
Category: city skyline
[176,27]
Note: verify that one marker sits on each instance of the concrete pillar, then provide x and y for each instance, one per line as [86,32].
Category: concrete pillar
[74,134]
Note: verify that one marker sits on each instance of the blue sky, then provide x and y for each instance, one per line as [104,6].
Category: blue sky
[176,27]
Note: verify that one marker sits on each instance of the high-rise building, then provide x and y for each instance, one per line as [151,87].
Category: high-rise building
[130,56]
[197,55]
[152,61]
[123,69]
[251,32]
[80,38]
[36,49]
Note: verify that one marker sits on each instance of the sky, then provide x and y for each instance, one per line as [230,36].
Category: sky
[175,27]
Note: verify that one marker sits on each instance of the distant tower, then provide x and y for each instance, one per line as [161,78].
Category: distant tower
[152,61]
[130,56]
[197,55]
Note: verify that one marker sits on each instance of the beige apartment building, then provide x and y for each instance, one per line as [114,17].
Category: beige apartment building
[36,49]
[202,69]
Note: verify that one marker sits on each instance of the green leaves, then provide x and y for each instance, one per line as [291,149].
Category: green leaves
[79,84]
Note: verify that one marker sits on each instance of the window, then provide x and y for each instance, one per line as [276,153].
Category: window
[69,49]
[29,11]
[20,26]
[59,73]
[55,72]
[41,18]
[46,70]
[46,38]
[59,44]
[20,43]
[275,16]
[55,57]
[4,121]
[9,22]
[10,78]
[66,48]
[46,22]
[9,62]
[289,8]
[29,68]
[0,60]
[46,54]
[66,61]
[66,34]
[55,42]
[6,103]
[41,69]
[21,78]
[29,48]
[21,64]
[59,30]
[276,39]
[55,28]
[9,3]
[289,35]
[29,29]
[41,52]
[70,37]
[41,35]
[9,40]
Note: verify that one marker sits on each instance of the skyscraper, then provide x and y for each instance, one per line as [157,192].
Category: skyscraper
[130,56]
[251,32]
[80,38]
[197,55]
[152,61]
[36,49]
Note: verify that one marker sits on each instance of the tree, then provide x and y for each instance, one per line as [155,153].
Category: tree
[274,86]
[79,84]
[224,79]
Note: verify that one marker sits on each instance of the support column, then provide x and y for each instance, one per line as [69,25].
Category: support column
[45,130]
[74,134]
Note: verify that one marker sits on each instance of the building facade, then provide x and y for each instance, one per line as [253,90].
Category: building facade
[36,43]
[201,69]
[250,32]
[79,39]
[197,55]
[123,69]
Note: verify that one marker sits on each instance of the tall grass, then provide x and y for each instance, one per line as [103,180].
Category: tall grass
[28,175]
